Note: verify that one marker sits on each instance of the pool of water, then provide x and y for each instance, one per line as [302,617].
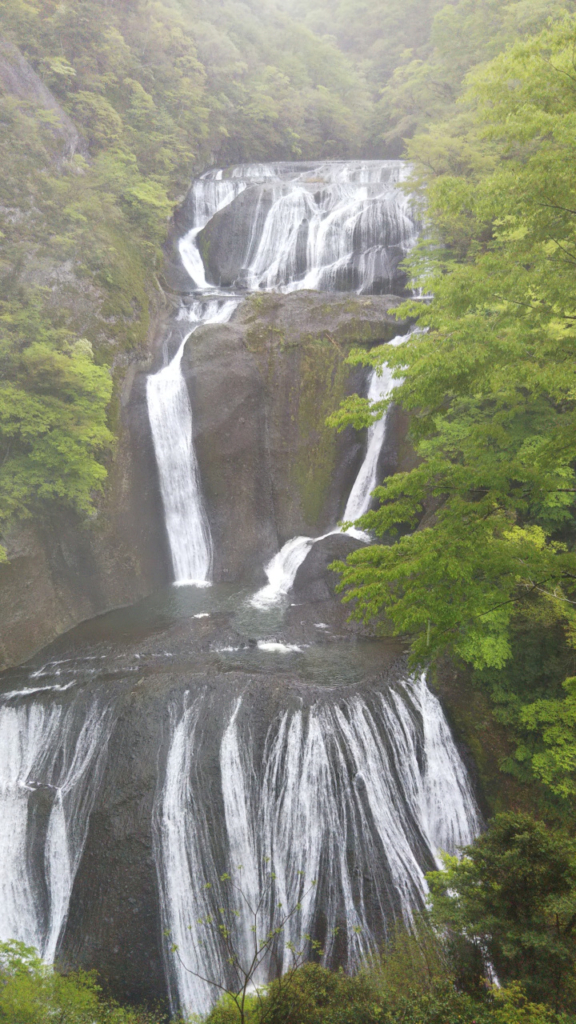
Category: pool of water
[183,631]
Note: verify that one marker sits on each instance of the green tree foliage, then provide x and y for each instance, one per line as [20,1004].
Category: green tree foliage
[53,401]
[490,385]
[32,992]
[377,36]
[513,897]
[409,982]
[181,83]
[314,995]
[428,79]
[554,722]
[415,54]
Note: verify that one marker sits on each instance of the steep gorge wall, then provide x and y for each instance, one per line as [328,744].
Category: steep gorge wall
[61,569]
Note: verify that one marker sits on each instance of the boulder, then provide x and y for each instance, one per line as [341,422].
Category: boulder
[261,388]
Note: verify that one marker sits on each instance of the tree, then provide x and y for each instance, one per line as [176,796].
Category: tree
[513,897]
[490,384]
[265,948]
[554,722]
[34,992]
[53,401]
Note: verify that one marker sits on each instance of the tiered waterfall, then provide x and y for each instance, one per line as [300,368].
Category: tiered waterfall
[151,751]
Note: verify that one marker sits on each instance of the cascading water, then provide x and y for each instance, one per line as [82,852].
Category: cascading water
[305,759]
[329,226]
[360,793]
[282,568]
[207,196]
[325,226]
[51,761]
[380,388]
[170,414]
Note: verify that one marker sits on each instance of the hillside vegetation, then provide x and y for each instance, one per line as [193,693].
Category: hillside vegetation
[149,93]
[415,54]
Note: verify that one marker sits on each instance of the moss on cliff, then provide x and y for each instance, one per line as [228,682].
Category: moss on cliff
[301,342]
[322,378]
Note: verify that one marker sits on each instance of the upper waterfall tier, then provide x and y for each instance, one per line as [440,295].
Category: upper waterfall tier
[334,226]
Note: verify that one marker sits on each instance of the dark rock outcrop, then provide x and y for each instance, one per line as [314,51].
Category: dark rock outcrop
[314,580]
[261,388]
[226,242]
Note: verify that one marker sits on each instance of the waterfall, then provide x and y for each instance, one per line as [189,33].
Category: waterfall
[322,225]
[342,238]
[51,761]
[170,414]
[281,571]
[259,771]
[207,196]
[169,408]
[380,388]
[282,568]
[184,858]
[360,793]
[328,226]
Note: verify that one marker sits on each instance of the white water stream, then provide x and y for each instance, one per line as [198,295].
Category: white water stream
[360,793]
[282,569]
[170,414]
[51,761]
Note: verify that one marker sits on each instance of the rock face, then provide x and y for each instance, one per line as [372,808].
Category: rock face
[314,580]
[225,242]
[65,570]
[261,389]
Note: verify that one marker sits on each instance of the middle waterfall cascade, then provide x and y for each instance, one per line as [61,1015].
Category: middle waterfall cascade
[170,416]
[361,793]
[282,568]
[380,388]
[51,761]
